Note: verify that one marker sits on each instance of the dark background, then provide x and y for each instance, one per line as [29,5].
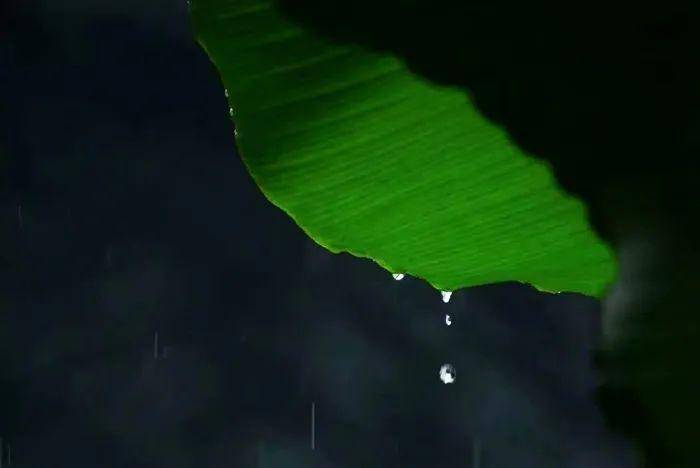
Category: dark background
[125,211]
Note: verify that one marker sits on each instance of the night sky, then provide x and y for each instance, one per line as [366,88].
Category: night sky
[125,211]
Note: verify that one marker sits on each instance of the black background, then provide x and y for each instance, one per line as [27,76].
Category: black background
[126,211]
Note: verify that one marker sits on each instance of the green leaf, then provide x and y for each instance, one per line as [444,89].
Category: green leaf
[370,159]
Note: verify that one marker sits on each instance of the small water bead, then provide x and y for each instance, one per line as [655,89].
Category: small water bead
[398,276]
[446,295]
[448,320]
[448,374]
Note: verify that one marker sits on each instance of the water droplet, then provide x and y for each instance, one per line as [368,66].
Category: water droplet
[235,132]
[448,320]
[446,296]
[230,111]
[448,374]
[398,276]
[226,92]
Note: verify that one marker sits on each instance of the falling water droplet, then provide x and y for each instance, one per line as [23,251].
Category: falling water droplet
[446,296]
[448,374]
[448,320]
[398,276]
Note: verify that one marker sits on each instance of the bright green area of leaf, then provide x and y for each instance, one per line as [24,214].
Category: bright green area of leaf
[372,160]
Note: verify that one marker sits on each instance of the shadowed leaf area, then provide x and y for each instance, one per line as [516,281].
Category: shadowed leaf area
[609,95]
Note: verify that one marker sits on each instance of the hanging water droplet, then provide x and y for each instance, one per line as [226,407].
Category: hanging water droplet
[398,276]
[235,132]
[446,296]
[230,111]
[448,320]
[226,92]
[448,374]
